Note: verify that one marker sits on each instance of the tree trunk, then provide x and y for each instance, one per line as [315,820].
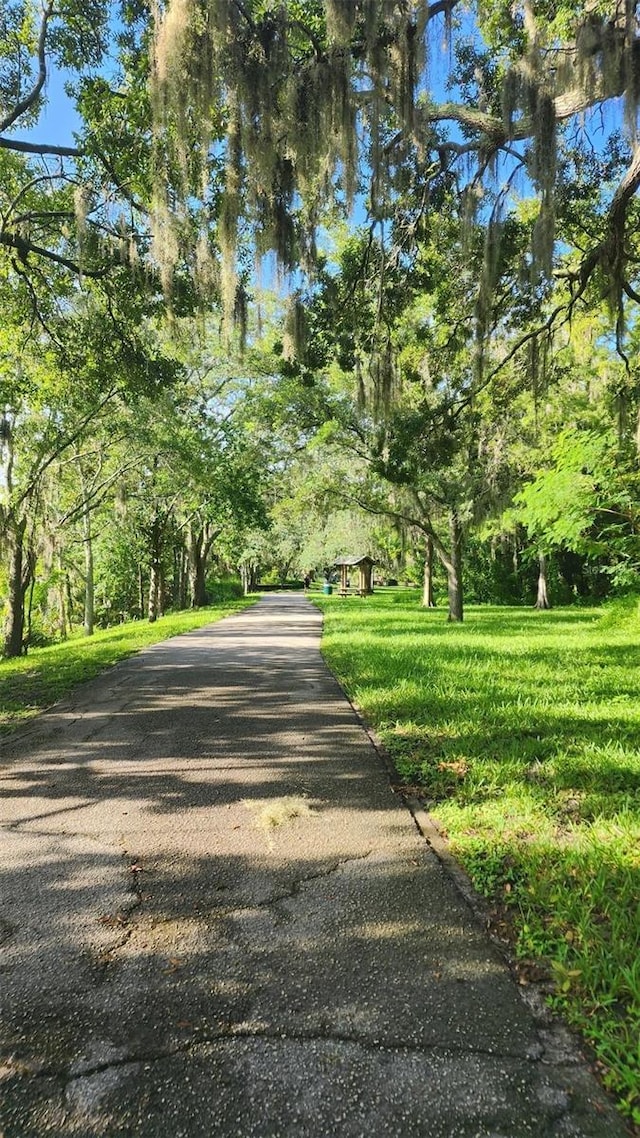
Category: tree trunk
[155,573]
[542,598]
[454,569]
[199,547]
[284,570]
[62,611]
[141,591]
[179,592]
[69,596]
[87,545]
[197,580]
[184,580]
[249,576]
[89,586]
[154,592]
[17,588]
[197,585]
[31,577]
[427,586]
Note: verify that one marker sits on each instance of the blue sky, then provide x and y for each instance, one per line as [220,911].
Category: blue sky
[58,119]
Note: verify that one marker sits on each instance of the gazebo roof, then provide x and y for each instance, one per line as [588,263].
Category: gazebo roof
[353,561]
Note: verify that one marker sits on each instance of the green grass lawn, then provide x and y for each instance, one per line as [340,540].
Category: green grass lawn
[521,730]
[33,682]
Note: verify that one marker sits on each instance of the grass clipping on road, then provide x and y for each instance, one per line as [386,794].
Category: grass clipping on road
[272,814]
[521,731]
[31,683]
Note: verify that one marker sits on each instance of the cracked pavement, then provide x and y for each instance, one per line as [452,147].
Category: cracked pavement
[217,919]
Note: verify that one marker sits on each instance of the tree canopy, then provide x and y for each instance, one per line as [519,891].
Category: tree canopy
[212,129]
[412,212]
[303,105]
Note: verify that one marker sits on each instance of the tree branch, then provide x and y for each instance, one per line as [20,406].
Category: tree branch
[442,8]
[37,314]
[566,105]
[40,148]
[609,252]
[28,101]
[43,464]
[96,495]
[24,189]
[24,247]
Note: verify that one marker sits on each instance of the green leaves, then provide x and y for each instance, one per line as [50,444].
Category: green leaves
[583,500]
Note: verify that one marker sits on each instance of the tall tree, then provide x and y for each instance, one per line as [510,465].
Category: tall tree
[37,428]
[403,337]
[54,390]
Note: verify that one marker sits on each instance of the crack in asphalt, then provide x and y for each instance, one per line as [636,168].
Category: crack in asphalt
[39,733]
[297,886]
[16,827]
[137,905]
[122,918]
[241,1031]
[233,910]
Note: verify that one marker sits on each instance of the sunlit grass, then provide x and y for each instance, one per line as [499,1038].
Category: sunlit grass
[33,682]
[521,729]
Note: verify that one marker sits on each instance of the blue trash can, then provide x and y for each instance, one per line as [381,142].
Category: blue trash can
[327,589]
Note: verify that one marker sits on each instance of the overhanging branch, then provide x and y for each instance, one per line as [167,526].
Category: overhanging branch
[23,248]
[29,100]
[39,148]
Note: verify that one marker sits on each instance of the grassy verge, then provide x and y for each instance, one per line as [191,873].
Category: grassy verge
[33,682]
[522,731]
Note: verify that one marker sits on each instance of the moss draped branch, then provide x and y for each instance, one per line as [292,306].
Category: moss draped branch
[492,129]
[23,248]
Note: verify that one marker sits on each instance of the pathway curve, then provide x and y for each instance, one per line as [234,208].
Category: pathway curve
[217,920]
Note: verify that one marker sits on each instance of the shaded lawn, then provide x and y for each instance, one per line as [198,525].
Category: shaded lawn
[32,683]
[521,730]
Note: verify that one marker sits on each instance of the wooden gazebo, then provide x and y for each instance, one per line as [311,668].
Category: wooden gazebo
[364,567]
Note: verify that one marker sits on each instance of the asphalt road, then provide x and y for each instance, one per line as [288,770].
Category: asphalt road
[218,920]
